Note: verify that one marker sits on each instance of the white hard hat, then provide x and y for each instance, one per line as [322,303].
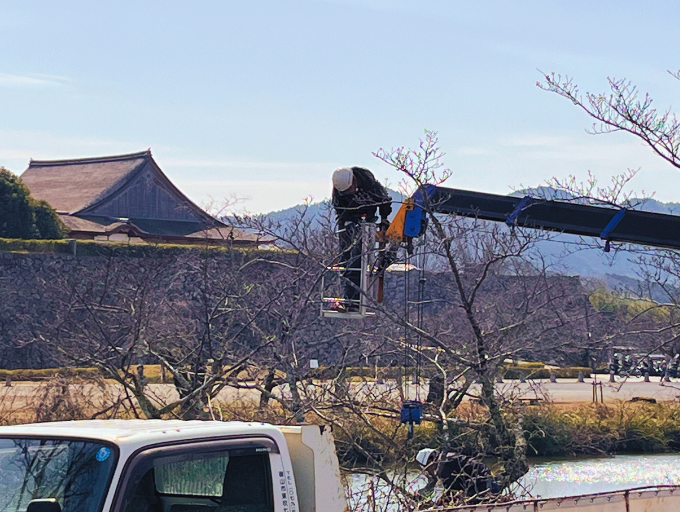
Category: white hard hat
[342,178]
[424,456]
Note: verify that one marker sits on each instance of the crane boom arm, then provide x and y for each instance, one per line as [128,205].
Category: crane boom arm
[611,224]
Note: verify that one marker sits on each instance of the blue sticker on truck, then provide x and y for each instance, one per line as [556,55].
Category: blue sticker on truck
[103,454]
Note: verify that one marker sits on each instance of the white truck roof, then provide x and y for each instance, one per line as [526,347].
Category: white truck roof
[308,450]
[140,432]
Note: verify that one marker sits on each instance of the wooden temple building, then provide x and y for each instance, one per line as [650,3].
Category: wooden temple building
[126,198]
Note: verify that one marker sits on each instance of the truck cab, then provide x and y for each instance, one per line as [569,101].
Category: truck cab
[168,466]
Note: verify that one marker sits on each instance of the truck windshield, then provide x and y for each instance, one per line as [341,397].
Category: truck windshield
[75,473]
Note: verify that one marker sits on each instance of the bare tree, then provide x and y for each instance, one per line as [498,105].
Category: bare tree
[292,322]
[497,301]
[207,315]
[623,110]
[653,326]
[490,299]
[190,310]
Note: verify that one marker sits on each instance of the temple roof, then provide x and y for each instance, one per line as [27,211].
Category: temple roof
[125,193]
[76,184]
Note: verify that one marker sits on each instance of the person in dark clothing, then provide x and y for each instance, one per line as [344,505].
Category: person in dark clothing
[357,196]
[458,473]
[435,393]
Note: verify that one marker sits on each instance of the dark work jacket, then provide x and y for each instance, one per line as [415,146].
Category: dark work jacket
[370,196]
[462,473]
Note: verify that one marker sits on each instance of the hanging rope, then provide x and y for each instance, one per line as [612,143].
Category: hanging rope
[421,299]
[407,319]
[411,410]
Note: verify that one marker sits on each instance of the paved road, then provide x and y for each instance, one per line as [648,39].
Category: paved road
[561,392]
[568,390]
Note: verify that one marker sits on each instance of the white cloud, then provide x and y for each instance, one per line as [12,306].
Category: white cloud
[33,80]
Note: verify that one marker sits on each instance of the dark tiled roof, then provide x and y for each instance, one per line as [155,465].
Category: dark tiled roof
[72,185]
[87,226]
[81,189]
[163,230]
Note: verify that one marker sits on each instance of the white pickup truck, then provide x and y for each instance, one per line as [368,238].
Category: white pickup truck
[211,466]
[168,466]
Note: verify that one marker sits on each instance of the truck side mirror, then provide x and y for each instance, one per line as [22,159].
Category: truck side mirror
[44,505]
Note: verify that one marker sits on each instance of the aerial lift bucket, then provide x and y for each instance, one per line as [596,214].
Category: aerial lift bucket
[368,284]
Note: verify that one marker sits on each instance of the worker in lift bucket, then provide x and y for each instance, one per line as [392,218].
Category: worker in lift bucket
[357,196]
[461,477]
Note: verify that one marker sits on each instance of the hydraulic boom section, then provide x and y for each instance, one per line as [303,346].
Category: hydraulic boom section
[608,223]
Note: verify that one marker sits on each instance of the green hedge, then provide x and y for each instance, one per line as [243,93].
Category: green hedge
[48,373]
[92,248]
[530,364]
[17,245]
[152,372]
[367,372]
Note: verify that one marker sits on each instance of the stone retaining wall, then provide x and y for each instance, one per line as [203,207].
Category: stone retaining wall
[37,290]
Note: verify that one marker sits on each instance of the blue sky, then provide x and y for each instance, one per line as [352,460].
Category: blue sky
[263,99]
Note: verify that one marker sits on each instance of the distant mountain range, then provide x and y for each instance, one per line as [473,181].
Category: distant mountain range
[315,210]
[564,252]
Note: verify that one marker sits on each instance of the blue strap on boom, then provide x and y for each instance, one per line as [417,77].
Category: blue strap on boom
[610,227]
[524,202]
